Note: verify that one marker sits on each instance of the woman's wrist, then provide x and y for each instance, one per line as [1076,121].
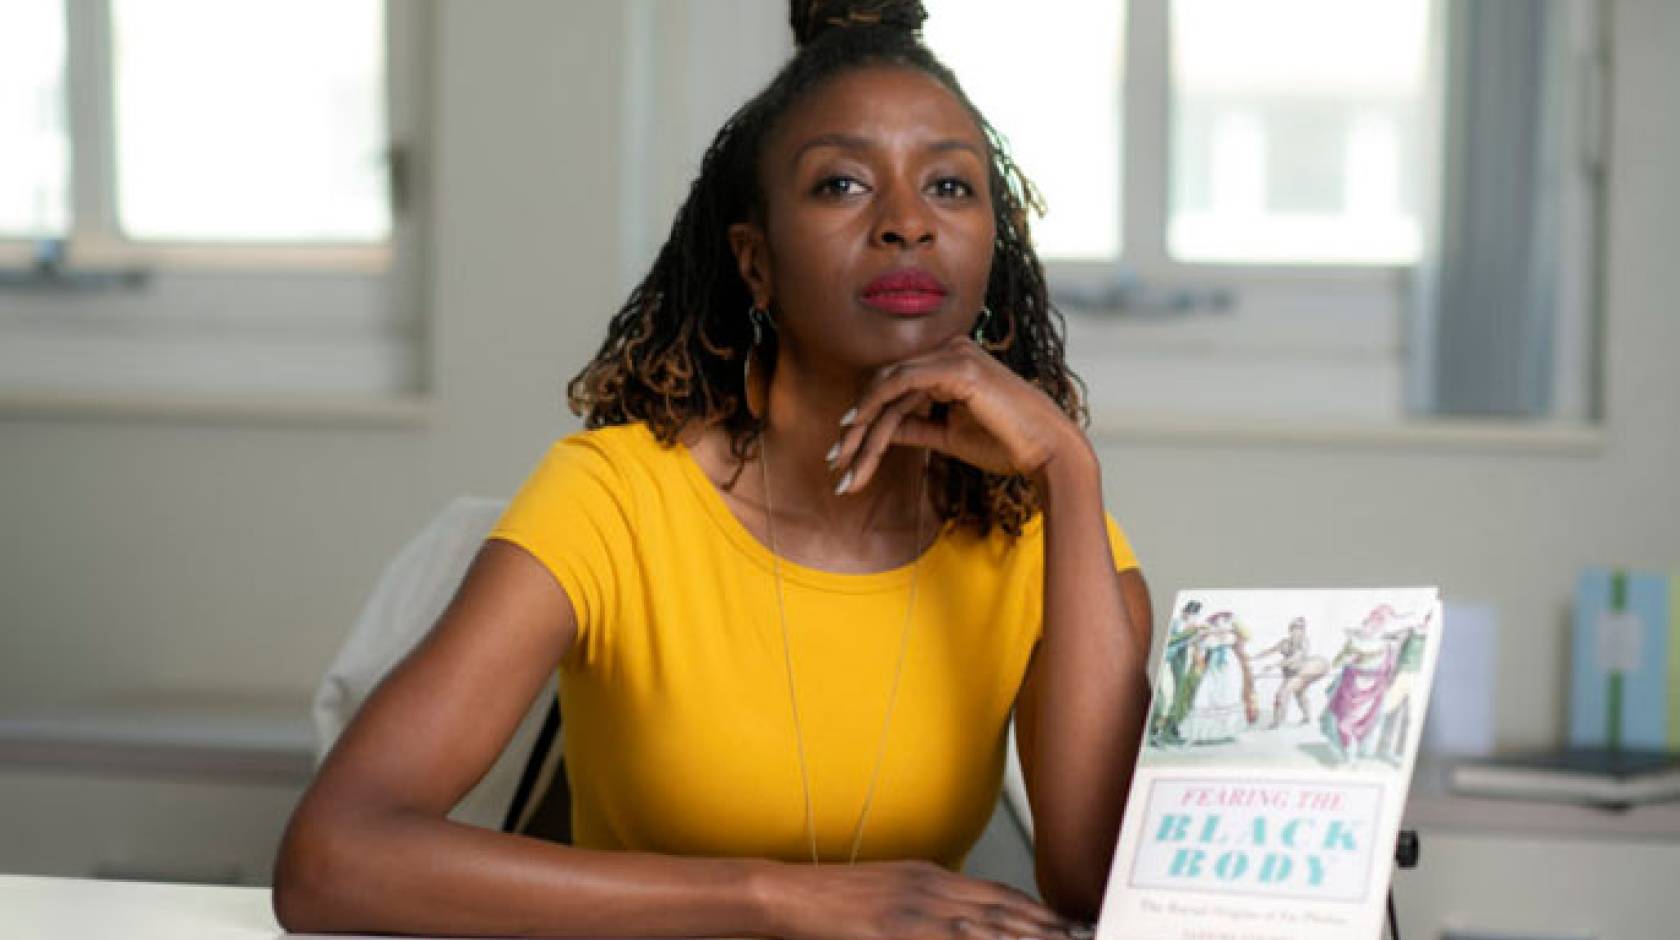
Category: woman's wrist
[765,883]
[1071,466]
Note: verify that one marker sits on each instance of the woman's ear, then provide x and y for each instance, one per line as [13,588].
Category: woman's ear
[752,259]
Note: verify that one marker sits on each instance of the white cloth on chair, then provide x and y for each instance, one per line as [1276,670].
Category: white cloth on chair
[406,601]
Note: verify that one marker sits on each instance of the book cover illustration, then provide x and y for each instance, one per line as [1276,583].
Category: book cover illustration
[1268,793]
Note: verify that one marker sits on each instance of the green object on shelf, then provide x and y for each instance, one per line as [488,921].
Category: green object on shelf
[1613,695]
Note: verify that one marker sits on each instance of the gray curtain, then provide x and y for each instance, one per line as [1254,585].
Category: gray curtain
[1487,290]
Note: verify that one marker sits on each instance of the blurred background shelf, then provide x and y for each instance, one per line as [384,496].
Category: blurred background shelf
[184,788]
[1434,807]
[241,739]
[1541,870]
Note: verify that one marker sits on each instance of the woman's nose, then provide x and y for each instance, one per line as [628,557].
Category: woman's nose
[903,219]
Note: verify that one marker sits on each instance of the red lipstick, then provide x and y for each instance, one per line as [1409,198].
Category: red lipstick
[906,292]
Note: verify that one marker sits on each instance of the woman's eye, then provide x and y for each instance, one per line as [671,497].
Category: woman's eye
[839,186]
[952,187]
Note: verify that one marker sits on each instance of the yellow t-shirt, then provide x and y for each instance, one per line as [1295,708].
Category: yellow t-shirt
[679,731]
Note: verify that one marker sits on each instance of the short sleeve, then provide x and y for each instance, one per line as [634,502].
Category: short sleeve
[1119,545]
[574,513]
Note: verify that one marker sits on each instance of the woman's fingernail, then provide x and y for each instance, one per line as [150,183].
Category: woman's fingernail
[833,452]
[845,481]
[847,418]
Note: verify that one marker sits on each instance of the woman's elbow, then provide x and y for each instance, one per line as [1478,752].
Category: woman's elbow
[302,875]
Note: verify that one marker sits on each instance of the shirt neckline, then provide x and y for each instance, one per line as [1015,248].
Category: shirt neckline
[745,541]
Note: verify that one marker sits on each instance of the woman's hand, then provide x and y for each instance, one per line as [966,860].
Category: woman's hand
[902,901]
[995,420]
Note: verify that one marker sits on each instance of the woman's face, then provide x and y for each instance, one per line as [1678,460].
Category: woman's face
[877,238]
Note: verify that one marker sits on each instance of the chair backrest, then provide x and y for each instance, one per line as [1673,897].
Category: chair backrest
[1015,788]
[518,793]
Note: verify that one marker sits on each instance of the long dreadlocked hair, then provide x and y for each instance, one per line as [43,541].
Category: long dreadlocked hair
[674,351]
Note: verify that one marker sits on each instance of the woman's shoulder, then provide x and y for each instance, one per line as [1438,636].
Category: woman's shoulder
[604,464]
[620,447]
[613,439]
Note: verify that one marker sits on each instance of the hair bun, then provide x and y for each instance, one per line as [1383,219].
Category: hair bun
[813,18]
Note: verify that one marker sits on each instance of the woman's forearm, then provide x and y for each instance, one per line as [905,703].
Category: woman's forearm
[1094,692]
[394,872]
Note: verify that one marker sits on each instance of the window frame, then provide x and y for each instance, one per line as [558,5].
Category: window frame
[268,274]
[1181,309]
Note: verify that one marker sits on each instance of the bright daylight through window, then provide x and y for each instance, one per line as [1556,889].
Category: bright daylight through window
[35,163]
[202,199]
[268,151]
[1295,124]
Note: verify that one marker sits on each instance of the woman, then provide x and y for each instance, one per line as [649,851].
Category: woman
[834,517]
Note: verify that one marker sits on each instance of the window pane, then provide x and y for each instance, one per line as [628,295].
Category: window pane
[262,120]
[1296,127]
[34,145]
[1011,65]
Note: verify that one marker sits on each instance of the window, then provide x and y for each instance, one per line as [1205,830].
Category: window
[1296,131]
[268,152]
[1073,153]
[1248,201]
[1353,214]
[35,164]
[187,210]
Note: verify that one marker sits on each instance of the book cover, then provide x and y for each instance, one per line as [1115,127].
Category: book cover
[1625,672]
[1268,793]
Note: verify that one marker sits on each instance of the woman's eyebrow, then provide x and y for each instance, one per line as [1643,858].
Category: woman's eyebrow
[957,143]
[839,141]
[859,142]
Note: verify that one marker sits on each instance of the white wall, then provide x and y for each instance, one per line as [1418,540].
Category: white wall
[172,554]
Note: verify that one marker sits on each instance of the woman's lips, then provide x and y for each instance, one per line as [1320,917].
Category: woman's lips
[908,292]
[905,303]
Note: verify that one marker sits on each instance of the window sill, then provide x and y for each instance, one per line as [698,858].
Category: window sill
[410,410]
[1463,435]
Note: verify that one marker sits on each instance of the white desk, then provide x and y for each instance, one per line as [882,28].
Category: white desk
[34,908]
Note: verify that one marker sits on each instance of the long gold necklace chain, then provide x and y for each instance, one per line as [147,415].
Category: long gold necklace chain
[787,657]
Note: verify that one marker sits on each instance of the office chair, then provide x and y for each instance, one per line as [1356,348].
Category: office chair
[525,789]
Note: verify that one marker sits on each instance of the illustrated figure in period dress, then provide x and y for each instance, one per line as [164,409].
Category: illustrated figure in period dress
[1408,642]
[1177,680]
[1299,670]
[1217,712]
[1363,671]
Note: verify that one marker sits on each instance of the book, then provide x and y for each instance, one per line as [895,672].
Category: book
[1267,795]
[1594,775]
[1625,663]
